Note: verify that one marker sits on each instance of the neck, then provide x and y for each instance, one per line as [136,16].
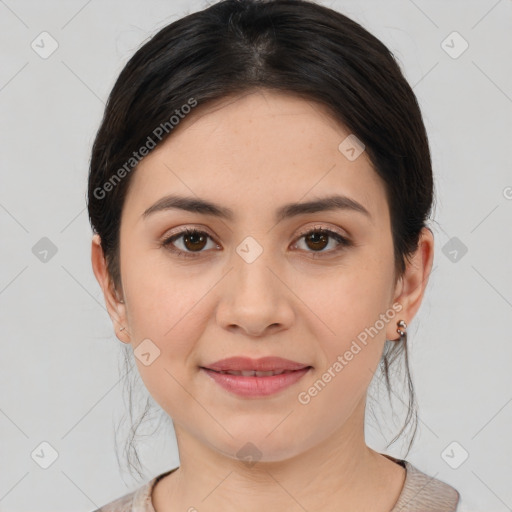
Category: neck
[340,474]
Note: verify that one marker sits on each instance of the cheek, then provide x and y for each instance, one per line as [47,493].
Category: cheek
[161,299]
[172,321]
[349,298]
[350,348]
[347,306]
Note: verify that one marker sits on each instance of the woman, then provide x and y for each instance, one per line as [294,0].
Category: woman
[259,190]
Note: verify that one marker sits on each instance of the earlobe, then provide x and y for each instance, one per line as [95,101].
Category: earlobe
[123,336]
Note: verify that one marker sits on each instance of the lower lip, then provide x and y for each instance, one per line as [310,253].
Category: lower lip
[256,386]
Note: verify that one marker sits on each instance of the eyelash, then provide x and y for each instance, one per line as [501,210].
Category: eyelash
[167,242]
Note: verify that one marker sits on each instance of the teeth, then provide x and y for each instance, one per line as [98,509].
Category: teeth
[253,373]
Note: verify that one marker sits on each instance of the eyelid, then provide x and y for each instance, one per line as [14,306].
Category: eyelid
[304,231]
[189,227]
[319,227]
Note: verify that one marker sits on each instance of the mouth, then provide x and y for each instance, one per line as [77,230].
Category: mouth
[263,364]
[253,373]
[247,377]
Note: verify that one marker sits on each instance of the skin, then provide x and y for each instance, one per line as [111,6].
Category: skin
[253,153]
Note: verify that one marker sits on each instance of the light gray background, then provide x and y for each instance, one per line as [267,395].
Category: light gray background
[59,364]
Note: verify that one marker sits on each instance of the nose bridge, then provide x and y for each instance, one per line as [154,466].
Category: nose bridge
[255,298]
[252,261]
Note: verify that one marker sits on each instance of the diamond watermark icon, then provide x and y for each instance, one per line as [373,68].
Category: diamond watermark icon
[351,147]
[249,249]
[44,455]
[454,455]
[249,454]
[44,250]
[454,249]
[454,45]
[44,45]
[146,352]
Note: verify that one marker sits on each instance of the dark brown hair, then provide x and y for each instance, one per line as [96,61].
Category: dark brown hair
[293,46]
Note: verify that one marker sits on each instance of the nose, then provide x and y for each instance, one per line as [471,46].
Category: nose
[256,299]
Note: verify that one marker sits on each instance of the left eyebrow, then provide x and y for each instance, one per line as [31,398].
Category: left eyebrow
[204,207]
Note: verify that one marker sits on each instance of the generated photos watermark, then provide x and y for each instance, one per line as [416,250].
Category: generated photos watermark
[158,133]
[305,397]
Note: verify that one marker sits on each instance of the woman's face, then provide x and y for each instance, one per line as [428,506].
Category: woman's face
[251,284]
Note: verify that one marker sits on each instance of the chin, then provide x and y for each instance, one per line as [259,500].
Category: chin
[259,448]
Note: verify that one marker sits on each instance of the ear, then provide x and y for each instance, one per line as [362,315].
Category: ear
[116,309]
[411,286]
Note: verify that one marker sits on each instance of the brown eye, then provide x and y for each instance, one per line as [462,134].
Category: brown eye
[193,241]
[318,239]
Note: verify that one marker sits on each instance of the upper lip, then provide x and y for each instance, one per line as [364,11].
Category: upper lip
[264,364]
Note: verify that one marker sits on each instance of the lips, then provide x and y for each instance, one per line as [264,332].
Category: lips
[255,378]
[263,367]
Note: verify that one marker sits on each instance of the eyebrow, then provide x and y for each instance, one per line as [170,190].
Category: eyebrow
[204,207]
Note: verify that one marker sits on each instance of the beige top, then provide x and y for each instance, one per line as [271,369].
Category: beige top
[420,493]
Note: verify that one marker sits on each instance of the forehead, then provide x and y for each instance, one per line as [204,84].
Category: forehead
[254,151]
